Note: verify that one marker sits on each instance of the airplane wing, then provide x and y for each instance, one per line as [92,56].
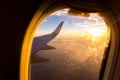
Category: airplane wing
[40,42]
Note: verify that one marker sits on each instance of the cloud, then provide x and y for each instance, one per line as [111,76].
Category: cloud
[62,12]
[82,25]
[93,21]
[45,20]
[95,18]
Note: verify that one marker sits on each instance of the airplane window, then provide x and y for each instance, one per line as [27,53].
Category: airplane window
[68,47]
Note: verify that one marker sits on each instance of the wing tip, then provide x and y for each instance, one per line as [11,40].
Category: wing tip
[57,30]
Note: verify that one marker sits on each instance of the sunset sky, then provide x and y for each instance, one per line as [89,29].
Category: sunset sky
[72,24]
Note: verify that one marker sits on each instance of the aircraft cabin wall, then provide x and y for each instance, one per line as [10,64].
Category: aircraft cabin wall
[15,16]
[115,8]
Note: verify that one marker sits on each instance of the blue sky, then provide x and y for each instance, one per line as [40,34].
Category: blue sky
[72,24]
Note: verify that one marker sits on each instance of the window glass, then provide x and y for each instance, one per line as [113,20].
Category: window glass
[75,53]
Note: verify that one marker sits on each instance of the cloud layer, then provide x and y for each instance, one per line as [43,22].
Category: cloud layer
[59,13]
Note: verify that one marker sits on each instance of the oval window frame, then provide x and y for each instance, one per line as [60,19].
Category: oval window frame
[45,10]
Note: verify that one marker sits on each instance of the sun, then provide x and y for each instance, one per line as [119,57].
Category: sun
[96,32]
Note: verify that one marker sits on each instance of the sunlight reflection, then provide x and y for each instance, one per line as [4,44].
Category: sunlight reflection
[96,32]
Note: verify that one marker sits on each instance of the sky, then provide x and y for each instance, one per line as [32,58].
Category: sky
[93,24]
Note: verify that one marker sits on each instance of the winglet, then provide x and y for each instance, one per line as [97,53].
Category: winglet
[57,30]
